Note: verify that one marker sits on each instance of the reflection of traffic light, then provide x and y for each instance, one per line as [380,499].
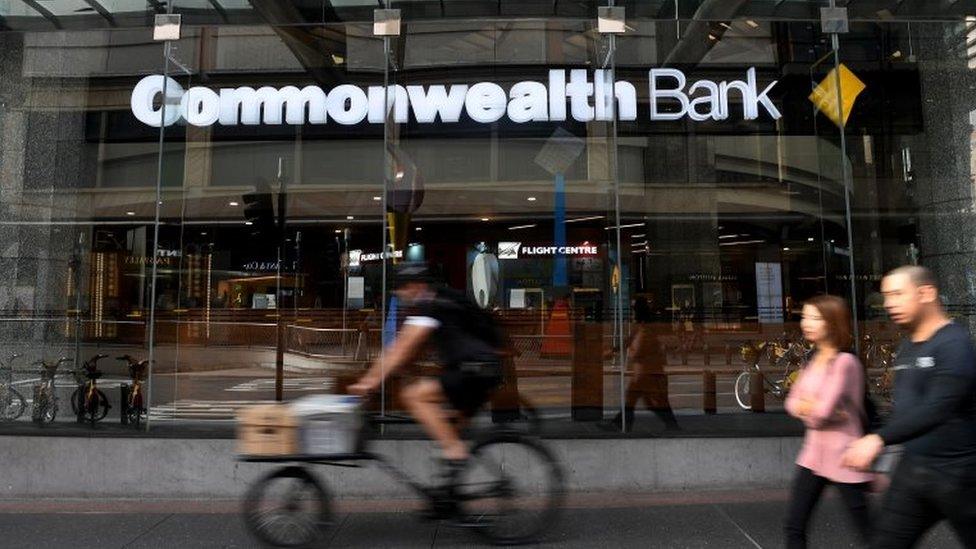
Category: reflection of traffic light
[259,213]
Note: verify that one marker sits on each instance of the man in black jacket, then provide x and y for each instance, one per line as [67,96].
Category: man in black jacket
[934,418]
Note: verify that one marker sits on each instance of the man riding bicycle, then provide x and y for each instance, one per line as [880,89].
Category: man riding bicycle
[469,347]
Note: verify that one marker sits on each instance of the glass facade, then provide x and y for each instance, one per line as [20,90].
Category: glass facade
[230,205]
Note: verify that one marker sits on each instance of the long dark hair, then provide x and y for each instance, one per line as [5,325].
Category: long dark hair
[837,315]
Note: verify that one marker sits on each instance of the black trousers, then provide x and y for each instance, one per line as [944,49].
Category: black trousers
[807,488]
[920,497]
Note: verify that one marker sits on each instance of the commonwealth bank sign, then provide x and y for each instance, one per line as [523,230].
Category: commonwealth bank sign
[581,94]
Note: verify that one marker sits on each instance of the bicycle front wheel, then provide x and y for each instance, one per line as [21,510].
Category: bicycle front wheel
[13,404]
[743,390]
[288,508]
[98,406]
[511,489]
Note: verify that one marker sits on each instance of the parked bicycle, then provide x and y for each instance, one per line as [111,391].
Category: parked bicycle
[510,492]
[12,403]
[134,411]
[88,401]
[45,408]
[776,362]
[878,360]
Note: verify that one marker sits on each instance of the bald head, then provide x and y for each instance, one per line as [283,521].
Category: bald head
[911,294]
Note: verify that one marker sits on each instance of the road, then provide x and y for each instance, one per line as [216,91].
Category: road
[746,520]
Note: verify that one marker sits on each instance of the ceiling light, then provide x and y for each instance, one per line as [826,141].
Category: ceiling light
[485,219]
[752,23]
[590,218]
[531,199]
[517,227]
[233,203]
[740,242]
[377,198]
[249,223]
[338,231]
[786,248]
[810,239]
[130,213]
[350,218]
[419,229]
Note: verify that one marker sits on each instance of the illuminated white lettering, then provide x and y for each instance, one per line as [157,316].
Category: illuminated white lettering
[483,102]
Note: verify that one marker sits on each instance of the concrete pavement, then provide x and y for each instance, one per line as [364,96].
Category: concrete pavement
[748,519]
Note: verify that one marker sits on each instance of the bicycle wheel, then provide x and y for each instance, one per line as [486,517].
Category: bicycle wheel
[511,489]
[134,413]
[288,508]
[743,393]
[13,404]
[98,407]
[77,401]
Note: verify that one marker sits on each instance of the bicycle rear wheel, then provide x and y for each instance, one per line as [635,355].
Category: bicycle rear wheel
[288,508]
[511,489]
[743,390]
[98,407]
[13,404]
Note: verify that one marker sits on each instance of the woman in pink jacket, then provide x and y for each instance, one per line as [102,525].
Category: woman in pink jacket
[828,396]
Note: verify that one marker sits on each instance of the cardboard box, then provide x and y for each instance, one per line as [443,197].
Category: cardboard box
[267,430]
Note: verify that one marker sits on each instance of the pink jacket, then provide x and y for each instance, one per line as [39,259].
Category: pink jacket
[835,419]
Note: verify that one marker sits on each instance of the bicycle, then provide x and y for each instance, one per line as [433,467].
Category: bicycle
[879,356]
[12,403]
[134,411]
[786,357]
[484,497]
[87,401]
[45,408]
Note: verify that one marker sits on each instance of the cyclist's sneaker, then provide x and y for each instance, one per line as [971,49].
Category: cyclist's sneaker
[443,501]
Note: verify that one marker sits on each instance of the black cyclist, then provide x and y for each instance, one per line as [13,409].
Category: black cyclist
[468,344]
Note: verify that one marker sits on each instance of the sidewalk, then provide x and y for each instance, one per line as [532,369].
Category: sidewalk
[680,520]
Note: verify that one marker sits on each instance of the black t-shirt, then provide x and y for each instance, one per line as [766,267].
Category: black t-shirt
[462,331]
[935,399]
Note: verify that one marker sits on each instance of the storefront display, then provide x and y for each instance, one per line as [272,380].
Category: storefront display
[233,202]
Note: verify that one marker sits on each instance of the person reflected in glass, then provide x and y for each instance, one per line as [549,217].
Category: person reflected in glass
[828,397]
[649,382]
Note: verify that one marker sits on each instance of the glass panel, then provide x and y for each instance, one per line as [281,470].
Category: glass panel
[911,149]
[506,188]
[72,253]
[272,222]
[728,203]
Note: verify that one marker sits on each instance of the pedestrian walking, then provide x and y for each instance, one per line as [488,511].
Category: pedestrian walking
[828,396]
[934,418]
[649,382]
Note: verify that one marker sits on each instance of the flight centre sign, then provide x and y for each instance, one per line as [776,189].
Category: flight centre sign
[584,96]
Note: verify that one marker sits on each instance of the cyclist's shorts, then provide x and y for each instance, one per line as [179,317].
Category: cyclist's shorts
[468,386]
